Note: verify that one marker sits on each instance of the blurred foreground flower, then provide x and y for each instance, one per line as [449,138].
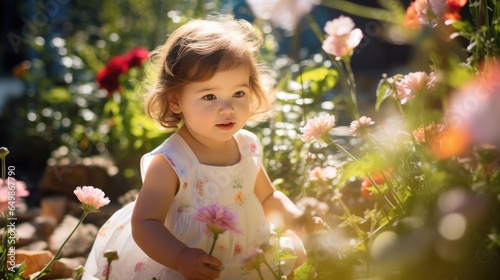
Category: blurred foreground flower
[92,199]
[449,10]
[474,111]
[317,127]
[322,173]
[433,12]
[282,13]
[11,189]
[342,37]
[218,219]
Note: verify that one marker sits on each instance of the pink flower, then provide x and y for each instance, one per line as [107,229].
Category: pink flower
[357,127]
[319,174]
[342,37]
[106,270]
[414,83]
[91,198]
[11,189]
[218,218]
[316,127]
[425,13]
[282,13]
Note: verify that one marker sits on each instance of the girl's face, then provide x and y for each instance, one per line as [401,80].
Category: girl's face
[216,108]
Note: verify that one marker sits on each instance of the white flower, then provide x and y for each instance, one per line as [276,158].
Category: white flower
[282,13]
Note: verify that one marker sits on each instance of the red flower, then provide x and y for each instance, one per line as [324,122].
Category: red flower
[136,56]
[108,77]
[377,178]
[453,8]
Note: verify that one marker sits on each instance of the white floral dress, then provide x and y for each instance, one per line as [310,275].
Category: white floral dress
[200,185]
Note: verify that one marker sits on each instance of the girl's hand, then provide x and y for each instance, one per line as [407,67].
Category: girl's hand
[318,224]
[195,263]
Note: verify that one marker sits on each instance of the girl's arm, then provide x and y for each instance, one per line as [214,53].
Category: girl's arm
[149,232]
[279,209]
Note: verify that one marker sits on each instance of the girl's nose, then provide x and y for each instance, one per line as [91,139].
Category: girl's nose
[226,108]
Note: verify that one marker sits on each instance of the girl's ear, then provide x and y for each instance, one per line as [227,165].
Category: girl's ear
[174,104]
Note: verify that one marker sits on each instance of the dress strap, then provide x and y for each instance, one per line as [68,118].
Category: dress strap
[175,150]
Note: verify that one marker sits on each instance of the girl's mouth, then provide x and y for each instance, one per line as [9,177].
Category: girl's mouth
[226,125]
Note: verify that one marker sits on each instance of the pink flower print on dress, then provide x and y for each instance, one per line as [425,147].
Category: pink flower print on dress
[199,186]
[139,266]
[220,248]
[253,147]
[181,208]
[105,270]
[170,161]
[237,249]
[240,198]
[104,229]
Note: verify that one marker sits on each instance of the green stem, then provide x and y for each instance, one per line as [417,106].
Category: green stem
[272,271]
[337,65]
[363,11]
[58,254]
[216,236]
[260,273]
[3,170]
[344,151]
[108,271]
[351,88]
[367,175]
[358,231]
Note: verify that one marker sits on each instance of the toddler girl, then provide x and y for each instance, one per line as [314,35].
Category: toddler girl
[210,82]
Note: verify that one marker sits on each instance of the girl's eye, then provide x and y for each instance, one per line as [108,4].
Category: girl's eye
[209,97]
[239,94]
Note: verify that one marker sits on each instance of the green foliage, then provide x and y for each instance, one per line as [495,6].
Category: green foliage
[319,79]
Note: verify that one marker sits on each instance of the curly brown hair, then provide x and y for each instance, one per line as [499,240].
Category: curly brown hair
[195,52]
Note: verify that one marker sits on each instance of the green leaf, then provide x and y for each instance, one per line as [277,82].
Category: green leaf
[384,90]
[56,95]
[319,80]
[304,271]
[360,168]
